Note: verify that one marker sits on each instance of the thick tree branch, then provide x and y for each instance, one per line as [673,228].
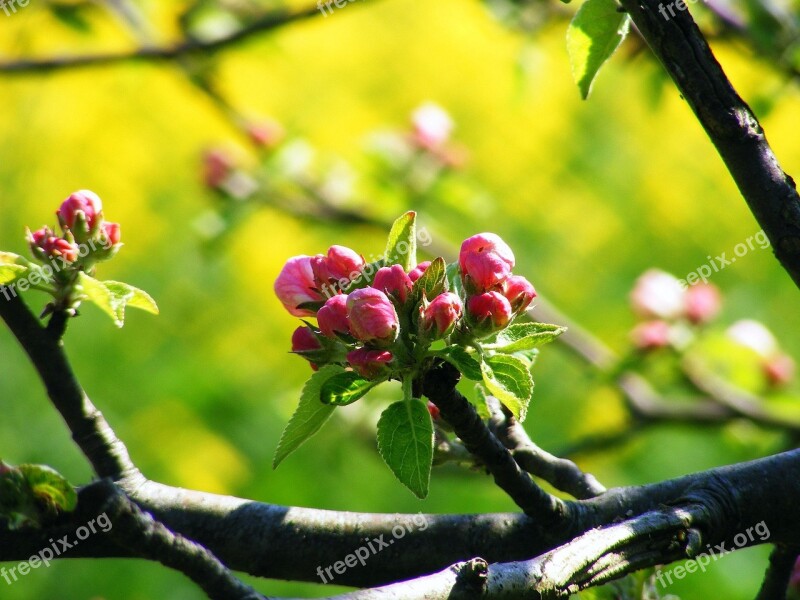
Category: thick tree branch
[733,128]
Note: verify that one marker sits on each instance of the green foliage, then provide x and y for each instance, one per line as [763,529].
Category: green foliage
[508,378]
[520,337]
[405,441]
[401,247]
[12,266]
[112,297]
[30,495]
[310,415]
[345,388]
[594,34]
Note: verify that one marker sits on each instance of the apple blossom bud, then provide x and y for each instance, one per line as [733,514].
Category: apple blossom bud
[266,134]
[332,317]
[81,206]
[417,271]
[295,286]
[441,316]
[488,312]
[372,316]
[485,261]
[657,294]
[432,125]
[434,411]
[651,335]
[779,369]
[217,167]
[393,280]
[111,233]
[519,292]
[45,246]
[304,341]
[369,363]
[340,263]
[753,335]
[702,302]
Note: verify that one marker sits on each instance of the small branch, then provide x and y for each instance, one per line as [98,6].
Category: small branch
[267,22]
[90,431]
[730,124]
[562,474]
[439,386]
[776,579]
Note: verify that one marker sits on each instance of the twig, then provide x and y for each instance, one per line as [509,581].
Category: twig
[776,578]
[562,474]
[439,386]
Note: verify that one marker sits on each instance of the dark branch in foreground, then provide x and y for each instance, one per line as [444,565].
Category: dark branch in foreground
[733,128]
[776,579]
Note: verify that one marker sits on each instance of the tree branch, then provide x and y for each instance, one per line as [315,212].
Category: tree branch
[730,124]
[776,579]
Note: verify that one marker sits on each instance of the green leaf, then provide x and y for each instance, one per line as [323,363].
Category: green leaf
[401,247]
[509,380]
[520,337]
[310,416]
[432,282]
[50,488]
[454,282]
[594,33]
[113,296]
[405,441]
[12,266]
[463,361]
[345,388]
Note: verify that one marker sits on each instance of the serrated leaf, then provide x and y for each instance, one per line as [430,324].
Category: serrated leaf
[345,388]
[593,35]
[401,247]
[454,282]
[509,380]
[405,441]
[463,361]
[525,336]
[113,296]
[50,488]
[432,282]
[310,415]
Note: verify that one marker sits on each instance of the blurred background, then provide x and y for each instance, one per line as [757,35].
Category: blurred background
[221,166]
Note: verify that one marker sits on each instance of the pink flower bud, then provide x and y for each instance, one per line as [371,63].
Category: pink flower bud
[651,335]
[266,134]
[341,263]
[45,245]
[657,294]
[295,285]
[217,167]
[393,280]
[417,271]
[83,201]
[372,316]
[112,233]
[702,302]
[304,340]
[519,292]
[369,363]
[485,261]
[488,312]
[332,317]
[442,314]
[779,369]
[434,410]
[432,126]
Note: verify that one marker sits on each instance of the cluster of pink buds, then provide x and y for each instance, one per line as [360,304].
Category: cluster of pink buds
[667,305]
[361,328]
[493,295]
[86,235]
